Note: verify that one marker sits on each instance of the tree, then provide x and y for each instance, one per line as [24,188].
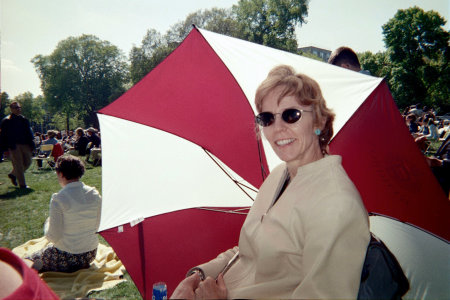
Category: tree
[34,109]
[219,20]
[267,22]
[26,101]
[4,105]
[39,113]
[378,64]
[82,75]
[418,48]
[155,47]
[271,22]
[59,121]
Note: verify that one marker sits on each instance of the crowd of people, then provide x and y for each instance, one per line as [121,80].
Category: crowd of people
[21,145]
[426,129]
[422,122]
[83,143]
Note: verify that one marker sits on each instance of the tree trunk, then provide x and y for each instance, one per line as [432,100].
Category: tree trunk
[67,122]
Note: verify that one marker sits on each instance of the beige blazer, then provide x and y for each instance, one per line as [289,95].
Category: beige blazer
[310,244]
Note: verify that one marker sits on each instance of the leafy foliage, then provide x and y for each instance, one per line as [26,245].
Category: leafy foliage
[378,64]
[83,74]
[418,50]
[271,22]
[32,108]
[4,104]
[267,22]
[153,50]
[218,20]
[155,47]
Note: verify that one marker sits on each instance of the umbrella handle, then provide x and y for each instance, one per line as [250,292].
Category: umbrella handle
[230,263]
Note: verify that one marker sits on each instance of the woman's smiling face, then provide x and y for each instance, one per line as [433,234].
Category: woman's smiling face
[295,143]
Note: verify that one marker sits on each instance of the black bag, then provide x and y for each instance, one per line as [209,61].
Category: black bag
[382,276]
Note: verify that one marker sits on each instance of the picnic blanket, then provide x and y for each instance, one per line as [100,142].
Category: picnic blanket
[105,271]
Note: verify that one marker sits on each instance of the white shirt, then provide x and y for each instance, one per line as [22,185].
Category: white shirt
[74,218]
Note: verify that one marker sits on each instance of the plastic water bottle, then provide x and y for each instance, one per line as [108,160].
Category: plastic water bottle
[159,291]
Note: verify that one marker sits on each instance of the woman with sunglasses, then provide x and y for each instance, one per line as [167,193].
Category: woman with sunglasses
[306,235]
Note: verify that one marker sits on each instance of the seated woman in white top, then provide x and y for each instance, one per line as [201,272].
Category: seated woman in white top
[73,222]
[307,232]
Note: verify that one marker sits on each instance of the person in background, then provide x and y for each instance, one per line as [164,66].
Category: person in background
[67,141]
[80,143]
[307,232]
[443,128]
[73,221]
[432,132]
[50,141]
[411,123]
[345,57]
[429,111]
[94,145]
[417,110]
[440,165]
[16,137]
[37,139]
[93,137]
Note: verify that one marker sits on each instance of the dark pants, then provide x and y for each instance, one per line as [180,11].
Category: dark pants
[52,259]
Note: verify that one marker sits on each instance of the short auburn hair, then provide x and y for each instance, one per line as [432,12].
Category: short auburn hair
[307,92]
[71,167]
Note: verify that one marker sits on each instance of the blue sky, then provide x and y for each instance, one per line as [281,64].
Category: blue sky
[30,27]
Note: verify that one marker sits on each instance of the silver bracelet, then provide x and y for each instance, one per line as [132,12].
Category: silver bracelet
[197,270]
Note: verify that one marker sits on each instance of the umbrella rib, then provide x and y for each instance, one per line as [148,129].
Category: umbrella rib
[229,176]
[244,185]
[236,211]
[263,171]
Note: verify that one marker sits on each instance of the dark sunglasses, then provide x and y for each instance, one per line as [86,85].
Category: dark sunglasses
[290,115]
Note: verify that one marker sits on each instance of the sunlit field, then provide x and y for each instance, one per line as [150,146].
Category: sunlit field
[23,213]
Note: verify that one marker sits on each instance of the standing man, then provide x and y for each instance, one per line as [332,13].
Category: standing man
[16,137]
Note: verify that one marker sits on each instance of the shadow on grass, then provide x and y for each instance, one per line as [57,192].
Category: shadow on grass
[41,171]
[17,192]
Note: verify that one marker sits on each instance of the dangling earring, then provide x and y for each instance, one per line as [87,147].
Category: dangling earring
[317,131]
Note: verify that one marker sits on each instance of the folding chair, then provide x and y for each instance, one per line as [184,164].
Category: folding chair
[44,154]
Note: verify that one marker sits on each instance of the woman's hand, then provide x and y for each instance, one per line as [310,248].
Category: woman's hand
[186,288]
[211,289]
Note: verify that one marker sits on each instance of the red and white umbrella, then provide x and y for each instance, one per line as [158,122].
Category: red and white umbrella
[180,156]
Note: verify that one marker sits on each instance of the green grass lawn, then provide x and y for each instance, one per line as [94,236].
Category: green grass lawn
[23,213]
